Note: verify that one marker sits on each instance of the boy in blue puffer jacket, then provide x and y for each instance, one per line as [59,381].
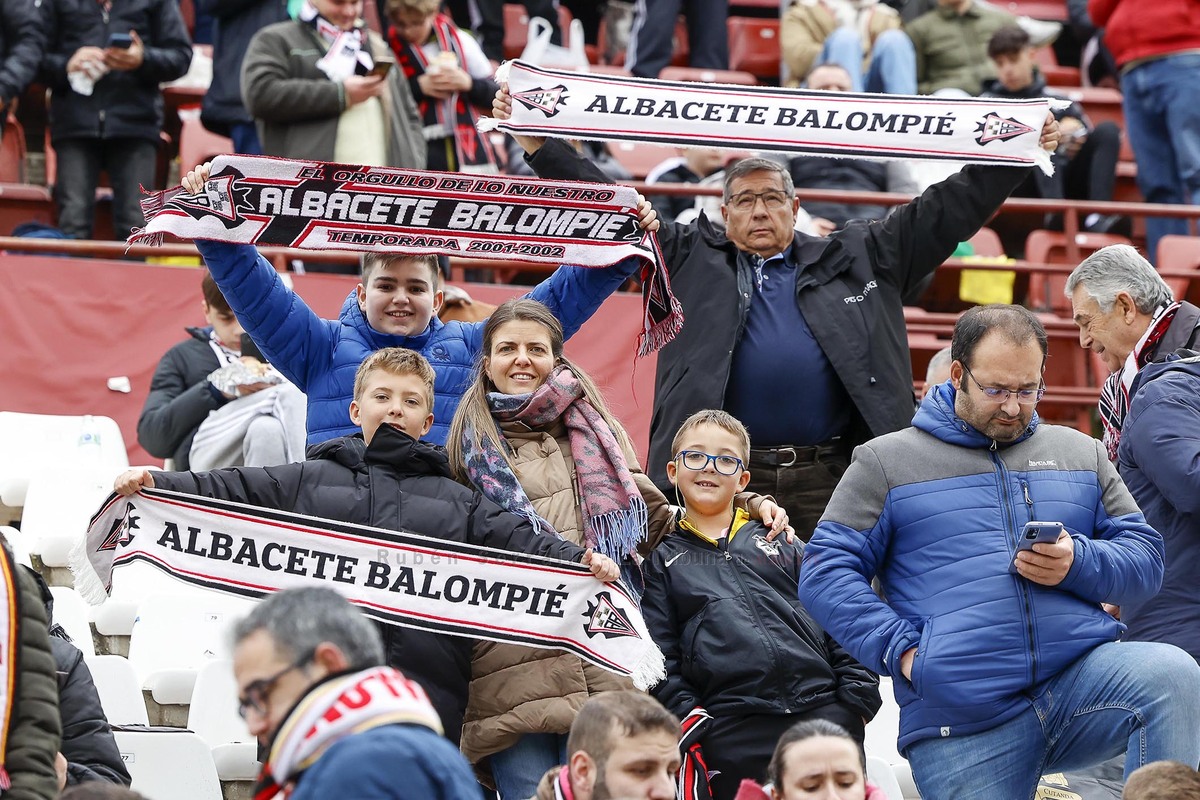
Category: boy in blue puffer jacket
[395,305]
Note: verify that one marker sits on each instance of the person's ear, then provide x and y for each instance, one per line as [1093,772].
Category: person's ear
[330,658]
[439,297]
[672,472]
[583,774]
[743,479]
[428,424]
[1127,307]
[795,206]
[355,413]
[725,213]
[362,297]
[956,375]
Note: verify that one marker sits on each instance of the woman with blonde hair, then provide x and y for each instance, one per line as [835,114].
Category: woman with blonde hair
[534,435]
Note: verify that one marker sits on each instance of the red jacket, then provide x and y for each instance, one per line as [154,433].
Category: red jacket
[1135,29]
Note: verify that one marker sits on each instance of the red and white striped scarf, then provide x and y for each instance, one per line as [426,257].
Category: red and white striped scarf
[1114,396]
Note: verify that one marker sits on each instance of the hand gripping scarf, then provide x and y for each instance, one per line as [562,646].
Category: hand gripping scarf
[334,709]
[1114,396]
[547,102]
[614,512]
[317,206]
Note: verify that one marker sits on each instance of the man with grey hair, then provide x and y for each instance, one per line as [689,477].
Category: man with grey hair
[312,687]
[1128,316]
[822,364]
[1150,407]
[938,370]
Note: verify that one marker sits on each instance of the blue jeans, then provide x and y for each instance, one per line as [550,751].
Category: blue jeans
[245,138]
[518,769]
[1139,698]
[1162,117]
[893,67]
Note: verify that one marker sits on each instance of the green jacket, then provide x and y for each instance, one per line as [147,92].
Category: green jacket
[297,107]
[952,48]
[35,733]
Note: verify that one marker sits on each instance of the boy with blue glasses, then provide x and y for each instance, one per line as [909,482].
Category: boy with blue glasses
[744,659]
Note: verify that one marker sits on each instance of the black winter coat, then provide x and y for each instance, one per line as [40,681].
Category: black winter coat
[22,39]
[236,22]
[87,740]
[736,638]
[123,104]
[400,484]
[849,288]
[855,175]
[35,733]
[180,399]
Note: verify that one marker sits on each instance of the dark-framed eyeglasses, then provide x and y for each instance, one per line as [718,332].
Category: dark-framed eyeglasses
[774,200]
[997,394]
[697,460]
[257,694]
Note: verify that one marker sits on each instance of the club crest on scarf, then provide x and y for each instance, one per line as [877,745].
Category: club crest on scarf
[605,619]
[994,128]
[544,100]
[121,532]
[220,198]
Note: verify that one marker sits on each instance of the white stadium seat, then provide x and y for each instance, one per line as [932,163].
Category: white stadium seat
[59,502]
[120,696]
[29,442]
[882,733]
[213,716]
[71,612]
[169,764]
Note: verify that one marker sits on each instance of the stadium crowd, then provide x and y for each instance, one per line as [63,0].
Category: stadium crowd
[803,525]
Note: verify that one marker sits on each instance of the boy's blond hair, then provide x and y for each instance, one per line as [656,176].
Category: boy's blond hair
[723,420]
[397,361]
[420,6]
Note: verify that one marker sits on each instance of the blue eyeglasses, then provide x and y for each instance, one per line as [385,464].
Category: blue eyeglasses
[1025,397]
[697,461]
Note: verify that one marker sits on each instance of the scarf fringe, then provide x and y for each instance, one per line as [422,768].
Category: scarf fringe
[618,533]
[651,669]
[658,334]
[5,780]
[87,582]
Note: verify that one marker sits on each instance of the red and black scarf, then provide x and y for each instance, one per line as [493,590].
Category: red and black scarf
[1114,396]
[471,148]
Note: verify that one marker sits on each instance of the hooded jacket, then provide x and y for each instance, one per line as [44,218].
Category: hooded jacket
[320,356]
[1160,442]
[850,288]
[397,483]
[87,741]
[934,512]
[180,398]
[736,639]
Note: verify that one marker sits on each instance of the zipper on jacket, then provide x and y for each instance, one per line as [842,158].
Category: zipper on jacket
[1028,499]
[744,295]
[762,630]
[1010,523]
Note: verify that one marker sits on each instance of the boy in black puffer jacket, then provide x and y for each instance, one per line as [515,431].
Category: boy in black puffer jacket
[387,478]
[745,661]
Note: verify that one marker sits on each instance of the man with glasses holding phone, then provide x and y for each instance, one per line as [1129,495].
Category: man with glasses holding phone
[334,721]
[800,337]
[1000,675]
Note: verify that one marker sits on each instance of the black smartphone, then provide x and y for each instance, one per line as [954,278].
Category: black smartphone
[122,41]
[1036,533]
[249,348]
[382,67]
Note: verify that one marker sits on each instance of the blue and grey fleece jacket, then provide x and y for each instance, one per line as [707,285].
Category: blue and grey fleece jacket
[935,511]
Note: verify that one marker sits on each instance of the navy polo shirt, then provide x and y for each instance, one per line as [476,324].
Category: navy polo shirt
[781,385]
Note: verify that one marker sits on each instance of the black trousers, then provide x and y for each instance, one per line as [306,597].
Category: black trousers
[651,42]
[489,25]
[802,490]
[130,164]
[1090,175]
[741,747]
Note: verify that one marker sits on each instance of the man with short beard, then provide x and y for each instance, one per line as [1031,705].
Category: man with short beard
[1004,664]
[622,746]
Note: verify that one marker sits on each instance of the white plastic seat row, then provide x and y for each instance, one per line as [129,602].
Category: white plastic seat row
[32,442]
[169,764]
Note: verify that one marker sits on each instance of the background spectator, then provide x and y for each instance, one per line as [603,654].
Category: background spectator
[312,100]
[816,759]
[234,24]
[488,22]
[182,397]
[951,45]
[449,76]
[311,643]
[692,166]
[1085,164]
[22,40]
[1156,44]
[31,753]
[88,746]
[863,36]
[106,110]
[1163,780]
[938,370]
[860,175]
[99,791]
[652,40]
[622,745]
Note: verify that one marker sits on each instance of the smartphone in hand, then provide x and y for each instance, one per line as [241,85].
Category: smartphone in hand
[382,67]
[121,41]
[1036,533]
